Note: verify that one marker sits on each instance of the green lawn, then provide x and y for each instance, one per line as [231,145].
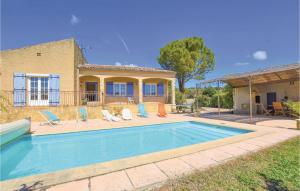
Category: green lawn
[275,168]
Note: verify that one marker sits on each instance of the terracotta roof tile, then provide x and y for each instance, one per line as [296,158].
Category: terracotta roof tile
[128,68]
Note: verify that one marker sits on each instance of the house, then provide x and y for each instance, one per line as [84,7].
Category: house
[264,86]
[57,74]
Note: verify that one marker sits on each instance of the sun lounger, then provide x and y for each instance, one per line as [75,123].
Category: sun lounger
[161,110]
[50,117]
[109,117]
[141,110]
[83,113]
[126,114]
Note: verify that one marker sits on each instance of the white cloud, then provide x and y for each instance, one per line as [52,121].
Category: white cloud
[241,63]
[121,64]
[74,20]
[118,63]
[260,55]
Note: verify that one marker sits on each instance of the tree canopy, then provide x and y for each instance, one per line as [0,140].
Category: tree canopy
[189,58]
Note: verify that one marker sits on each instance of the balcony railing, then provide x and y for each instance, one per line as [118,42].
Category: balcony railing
[89,96]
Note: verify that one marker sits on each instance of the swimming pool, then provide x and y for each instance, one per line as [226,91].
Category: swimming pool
[31,155]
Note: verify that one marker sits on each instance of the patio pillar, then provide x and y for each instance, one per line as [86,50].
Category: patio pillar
[173,91]
[219,98]
[141,90]
[250,98]
[77,88]
[101,91]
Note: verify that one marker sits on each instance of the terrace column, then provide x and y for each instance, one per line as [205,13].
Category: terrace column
[173,91]
[101,90]
[77,88]
[141,90]
[250,98]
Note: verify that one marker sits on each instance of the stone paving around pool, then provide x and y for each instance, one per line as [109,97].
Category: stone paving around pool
[156,173]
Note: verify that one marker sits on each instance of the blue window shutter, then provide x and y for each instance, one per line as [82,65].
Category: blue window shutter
[109,88]
[19,89]
[54,92]
[144,89]
[130,89]
[160,89]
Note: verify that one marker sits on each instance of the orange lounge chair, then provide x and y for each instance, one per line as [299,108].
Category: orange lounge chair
[161,110]
[278,109]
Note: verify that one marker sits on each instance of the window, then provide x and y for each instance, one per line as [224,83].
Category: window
[44,88]
[119,89]
[257,99]
[34,88]
[38,90]
[150,89]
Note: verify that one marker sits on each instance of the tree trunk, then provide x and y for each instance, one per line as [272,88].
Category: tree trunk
[181,84]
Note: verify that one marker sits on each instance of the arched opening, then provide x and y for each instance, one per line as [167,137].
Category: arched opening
[121,90]
[157,90]
[89,93]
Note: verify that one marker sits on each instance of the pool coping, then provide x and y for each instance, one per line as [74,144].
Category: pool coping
[78,173]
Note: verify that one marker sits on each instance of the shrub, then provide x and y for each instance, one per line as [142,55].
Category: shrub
[203,101]
[179,97]
[294,107]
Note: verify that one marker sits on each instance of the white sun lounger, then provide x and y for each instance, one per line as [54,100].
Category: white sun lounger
[109,117]
[126,114]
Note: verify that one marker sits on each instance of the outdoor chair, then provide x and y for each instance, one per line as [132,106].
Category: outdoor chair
[266,111]
[126,114]
[50,118]
[278,108]
[109,117]
[141,110]
[161,110]
[130,100]
[83,113]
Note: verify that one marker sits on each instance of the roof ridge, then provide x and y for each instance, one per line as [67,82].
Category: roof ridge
[38,44]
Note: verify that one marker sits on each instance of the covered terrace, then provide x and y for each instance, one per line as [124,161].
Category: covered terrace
[105,84]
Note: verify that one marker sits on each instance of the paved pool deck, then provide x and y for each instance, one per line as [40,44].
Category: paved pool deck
[146,171]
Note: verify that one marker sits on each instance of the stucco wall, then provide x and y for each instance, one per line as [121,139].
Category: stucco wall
[70,112]
[59,57]
[241,95]
[56,58]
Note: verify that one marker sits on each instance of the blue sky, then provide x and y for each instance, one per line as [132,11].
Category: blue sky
[244,35]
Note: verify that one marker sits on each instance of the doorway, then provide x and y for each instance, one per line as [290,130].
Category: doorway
[271,97]
[91,91]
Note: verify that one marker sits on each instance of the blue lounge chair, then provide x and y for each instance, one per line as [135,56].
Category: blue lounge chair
[142,111]
[83,113]
[50,117]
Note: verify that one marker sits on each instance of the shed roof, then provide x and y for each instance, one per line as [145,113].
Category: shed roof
[267,75]
[127,68]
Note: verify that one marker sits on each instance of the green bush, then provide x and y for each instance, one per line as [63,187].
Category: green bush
[294,107]
[179,97]
[209,97]
[203,101]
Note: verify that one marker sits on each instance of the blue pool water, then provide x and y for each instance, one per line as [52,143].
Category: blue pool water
[31,155]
